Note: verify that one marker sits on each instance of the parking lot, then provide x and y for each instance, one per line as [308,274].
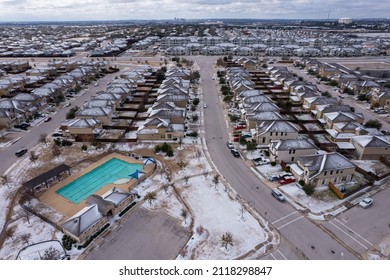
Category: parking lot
[143,235]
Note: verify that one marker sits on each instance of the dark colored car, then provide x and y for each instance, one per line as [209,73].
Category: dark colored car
[235,153]
[20,152]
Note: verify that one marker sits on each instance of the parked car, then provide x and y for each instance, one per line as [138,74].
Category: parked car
[286,180]
[230,144]
[236,138]
[273,178]
[260,161]
[22,125]
[57,134]
[204,105]
[239,126]
[366,202]
[47,119]
[235,153]
[278,195]
[20,152]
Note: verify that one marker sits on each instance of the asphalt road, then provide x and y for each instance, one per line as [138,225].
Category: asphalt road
[306,239]
[362,228]
[30,138]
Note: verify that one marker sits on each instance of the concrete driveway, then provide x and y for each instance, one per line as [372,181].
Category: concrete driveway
[143,235]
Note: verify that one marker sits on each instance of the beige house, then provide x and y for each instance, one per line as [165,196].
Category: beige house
[380,99]
[84,130]
[269,131]
[160,129]
[321,169]
[289,150]
[84,223]
[102,114]
[342,117]
[370,147]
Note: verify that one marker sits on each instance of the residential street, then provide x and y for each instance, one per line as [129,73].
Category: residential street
[304,237]
[31,137]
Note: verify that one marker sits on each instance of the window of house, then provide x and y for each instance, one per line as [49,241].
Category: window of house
[270,134]
[337,171]
[326,172]
[331,172]
[292,159]
[289,152]
[276,134]
[293,151]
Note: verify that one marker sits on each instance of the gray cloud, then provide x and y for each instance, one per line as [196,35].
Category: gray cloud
[166,9]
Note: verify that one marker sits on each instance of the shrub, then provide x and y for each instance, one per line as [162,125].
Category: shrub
[308,189]
[250,146]
[273,163]
[196,101]
[266,152]
[169,153]
[165,147]
[157,149]
[301,182]
[287,169]
[193,134]
[84,147]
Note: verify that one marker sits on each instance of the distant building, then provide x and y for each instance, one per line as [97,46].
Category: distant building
[345,20]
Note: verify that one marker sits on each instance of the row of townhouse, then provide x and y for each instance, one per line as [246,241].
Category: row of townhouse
[29,95]
[101,109]
[166,118]
[269,128]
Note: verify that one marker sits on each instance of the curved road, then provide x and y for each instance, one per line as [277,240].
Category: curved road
[301,237]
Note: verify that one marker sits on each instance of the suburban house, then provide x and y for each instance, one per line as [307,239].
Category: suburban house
[320,169]
[342,117]
[371,147]
[380,98]
[268,131]
[290,149]
[102,114]
[160,129]
[255,119]
[83,130]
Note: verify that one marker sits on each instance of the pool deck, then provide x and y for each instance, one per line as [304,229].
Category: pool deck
[68,208]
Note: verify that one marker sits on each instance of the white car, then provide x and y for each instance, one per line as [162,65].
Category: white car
[366,202]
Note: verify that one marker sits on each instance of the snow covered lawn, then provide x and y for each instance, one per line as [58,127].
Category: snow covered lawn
[327,202]
[217,213]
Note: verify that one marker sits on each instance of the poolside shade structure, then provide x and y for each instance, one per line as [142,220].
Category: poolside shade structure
[46,177]
[137,174]
[149,161]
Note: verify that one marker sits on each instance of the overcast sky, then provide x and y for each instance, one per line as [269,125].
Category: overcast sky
[27,10]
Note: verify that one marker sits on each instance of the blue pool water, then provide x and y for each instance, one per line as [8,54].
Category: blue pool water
[107,173]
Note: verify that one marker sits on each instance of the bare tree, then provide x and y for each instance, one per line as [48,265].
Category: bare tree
[43,138]
[180,141]
[26,237]
[150,197]
[227,239]
[56,151]
[33,156]
[165,188]
[186,178]
[216,180]
[5,180]
[51,254]
[26,214]
[200,230]
[10,233]
[184,215]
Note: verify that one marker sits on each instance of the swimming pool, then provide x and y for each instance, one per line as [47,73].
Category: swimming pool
[104,174]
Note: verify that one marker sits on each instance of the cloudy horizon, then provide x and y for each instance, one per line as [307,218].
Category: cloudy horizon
[71,10]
